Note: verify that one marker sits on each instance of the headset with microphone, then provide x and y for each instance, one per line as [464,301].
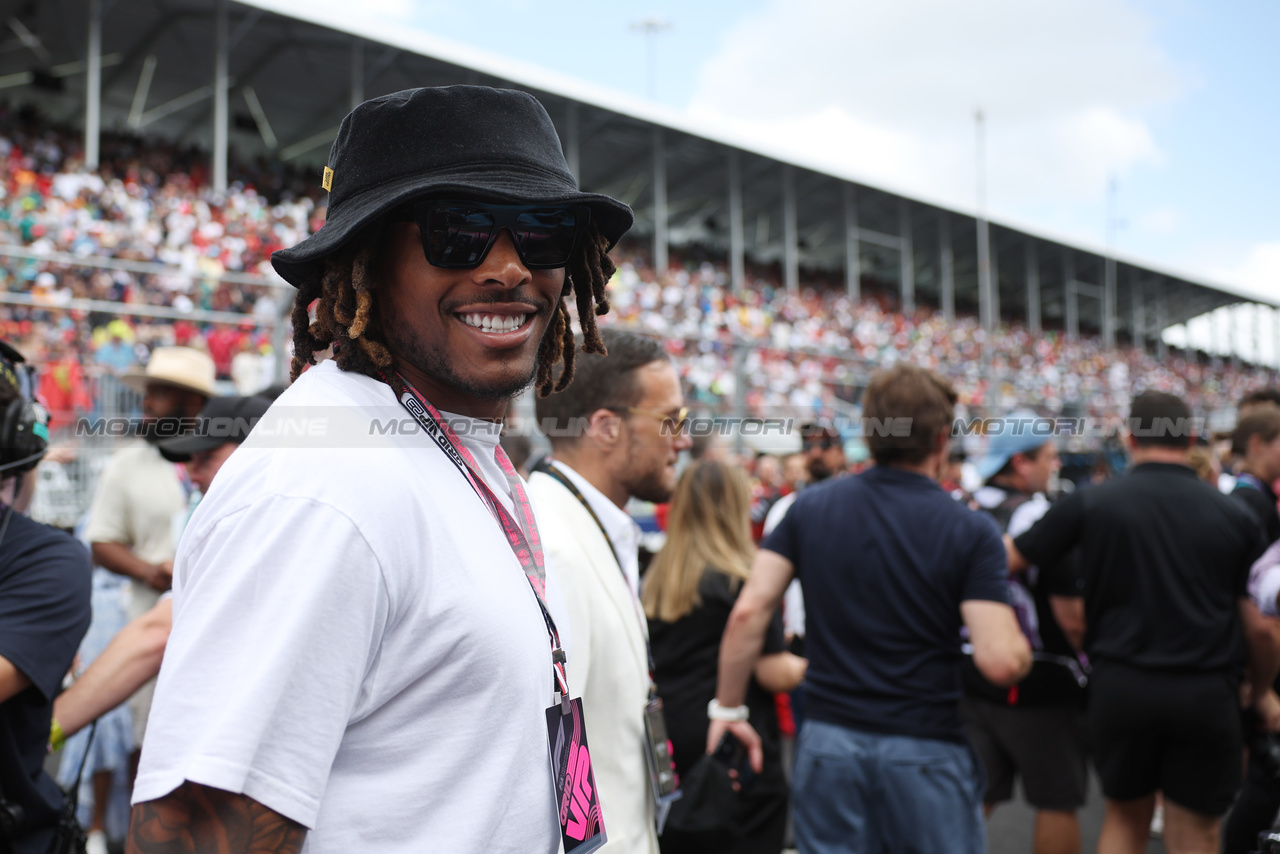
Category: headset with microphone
[24,425]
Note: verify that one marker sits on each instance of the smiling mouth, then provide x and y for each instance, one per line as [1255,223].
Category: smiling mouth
[494,322]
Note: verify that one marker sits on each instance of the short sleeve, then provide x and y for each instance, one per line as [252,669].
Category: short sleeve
[109,512]
[279,611]
[1057,532]
[1257,547]
[44,608]
[1063,577]
[987,566]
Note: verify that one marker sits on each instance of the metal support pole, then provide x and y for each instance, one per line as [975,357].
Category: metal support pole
[1033,288]
[1162,322]
[790,236]
[93,88]
[852,265]
[280,335]
[993,263]
[1109,302]
[741,350]
[907,265]
[985,314]
[220,111]
[1234,333]
[1138,317]
[946,267]
[1069,293]
[1275,336]
[737,241]
[357,72]
[572,152]
[659,203]
[1214,343]
[1257,334]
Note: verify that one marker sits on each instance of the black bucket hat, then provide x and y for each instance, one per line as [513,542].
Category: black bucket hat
[494,145]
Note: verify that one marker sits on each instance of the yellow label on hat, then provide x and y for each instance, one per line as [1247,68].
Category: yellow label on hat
[327,181]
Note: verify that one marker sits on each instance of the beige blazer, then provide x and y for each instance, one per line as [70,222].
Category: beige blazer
[607,664]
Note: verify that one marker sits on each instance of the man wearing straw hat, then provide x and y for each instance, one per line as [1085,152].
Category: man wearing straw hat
[366,651]
[140,493]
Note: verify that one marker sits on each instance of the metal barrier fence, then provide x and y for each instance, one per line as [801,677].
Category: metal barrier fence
[67,487]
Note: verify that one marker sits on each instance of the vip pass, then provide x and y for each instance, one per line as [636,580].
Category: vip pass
[734,714]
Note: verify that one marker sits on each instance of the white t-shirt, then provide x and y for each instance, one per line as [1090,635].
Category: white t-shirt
[355,645]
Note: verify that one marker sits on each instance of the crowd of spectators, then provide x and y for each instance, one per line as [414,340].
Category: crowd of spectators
[804,353]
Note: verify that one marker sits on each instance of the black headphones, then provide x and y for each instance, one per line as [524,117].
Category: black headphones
[24,423]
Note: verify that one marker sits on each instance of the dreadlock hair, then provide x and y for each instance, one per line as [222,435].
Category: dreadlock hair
[344,311]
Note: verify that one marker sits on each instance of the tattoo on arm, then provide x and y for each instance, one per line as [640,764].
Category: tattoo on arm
[195,819]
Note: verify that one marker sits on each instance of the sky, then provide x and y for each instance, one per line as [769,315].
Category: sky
[1171,103]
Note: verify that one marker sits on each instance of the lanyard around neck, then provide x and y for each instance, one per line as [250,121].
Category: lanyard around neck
[546,467]
[524,542]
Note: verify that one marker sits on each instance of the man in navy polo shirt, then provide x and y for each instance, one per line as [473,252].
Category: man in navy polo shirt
[892,567]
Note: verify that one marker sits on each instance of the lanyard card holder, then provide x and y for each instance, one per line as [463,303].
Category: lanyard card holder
[662,766]
[573,781]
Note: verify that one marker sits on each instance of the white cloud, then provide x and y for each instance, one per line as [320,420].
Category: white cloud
[395,11]
[1259,272]
[889,91]
[1163,220]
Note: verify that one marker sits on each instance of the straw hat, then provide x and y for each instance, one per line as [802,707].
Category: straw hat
[181,367]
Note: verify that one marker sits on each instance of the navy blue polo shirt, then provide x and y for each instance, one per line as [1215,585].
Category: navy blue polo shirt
[885,559]
[44,614]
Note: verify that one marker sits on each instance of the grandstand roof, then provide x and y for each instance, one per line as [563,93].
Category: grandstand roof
[293,77]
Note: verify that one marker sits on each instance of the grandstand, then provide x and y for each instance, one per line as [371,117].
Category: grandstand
[157,152]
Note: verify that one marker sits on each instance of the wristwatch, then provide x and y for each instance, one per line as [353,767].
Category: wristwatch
[717,712]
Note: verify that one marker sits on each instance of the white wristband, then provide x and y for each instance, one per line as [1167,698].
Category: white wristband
[717,712]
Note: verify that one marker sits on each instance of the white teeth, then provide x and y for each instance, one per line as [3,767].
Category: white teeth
[494,322]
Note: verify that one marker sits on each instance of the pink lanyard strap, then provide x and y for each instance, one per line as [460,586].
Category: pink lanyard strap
[524,542]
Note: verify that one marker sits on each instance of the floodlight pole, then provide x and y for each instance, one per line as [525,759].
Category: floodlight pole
[651,27]
[93,89]
[985,292]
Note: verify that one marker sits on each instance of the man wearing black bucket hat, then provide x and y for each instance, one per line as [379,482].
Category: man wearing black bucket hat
[365,652]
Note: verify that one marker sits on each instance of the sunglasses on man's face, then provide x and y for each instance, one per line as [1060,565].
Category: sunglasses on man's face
[458,234]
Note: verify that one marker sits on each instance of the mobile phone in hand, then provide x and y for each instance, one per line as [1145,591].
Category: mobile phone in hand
[732,754]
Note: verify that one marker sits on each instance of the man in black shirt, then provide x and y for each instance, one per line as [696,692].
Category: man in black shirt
[1032,729]
[44,614]
[1165,559]
[1256,443]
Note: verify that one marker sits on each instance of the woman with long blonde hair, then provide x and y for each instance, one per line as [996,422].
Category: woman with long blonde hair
[688,593]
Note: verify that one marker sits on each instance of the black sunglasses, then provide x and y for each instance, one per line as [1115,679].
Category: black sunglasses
[459,234]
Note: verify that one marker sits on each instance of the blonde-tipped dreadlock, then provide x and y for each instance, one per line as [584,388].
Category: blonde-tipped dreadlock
[345,315]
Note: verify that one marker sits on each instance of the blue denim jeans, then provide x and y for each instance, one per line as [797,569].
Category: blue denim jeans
[863,793]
